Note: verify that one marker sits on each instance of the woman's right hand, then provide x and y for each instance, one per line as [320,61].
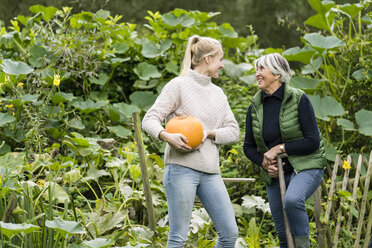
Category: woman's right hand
[175,140]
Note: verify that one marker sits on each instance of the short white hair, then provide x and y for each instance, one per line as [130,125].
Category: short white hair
[277,64]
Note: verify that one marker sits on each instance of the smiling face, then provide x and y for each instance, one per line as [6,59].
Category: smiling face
[267,81]
[214,64]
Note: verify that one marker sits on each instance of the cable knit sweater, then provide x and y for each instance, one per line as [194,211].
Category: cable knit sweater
[195,95]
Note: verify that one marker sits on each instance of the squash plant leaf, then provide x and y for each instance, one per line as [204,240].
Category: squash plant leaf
[15,67]
[65,227]
[364,120]
[321,42]
[146,71]
[6,118]
[10,229]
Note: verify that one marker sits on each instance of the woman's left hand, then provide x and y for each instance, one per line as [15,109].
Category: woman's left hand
[270,155]
[208,134]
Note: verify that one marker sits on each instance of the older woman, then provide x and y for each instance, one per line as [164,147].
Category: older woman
[281,119]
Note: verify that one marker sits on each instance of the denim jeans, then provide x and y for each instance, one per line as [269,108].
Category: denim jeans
[299,187]
[181,185]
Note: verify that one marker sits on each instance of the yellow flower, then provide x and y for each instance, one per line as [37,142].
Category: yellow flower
[126,149]
[346,165]
[41,183]
[9,106]
[56,80]
[6,79]
[20,85]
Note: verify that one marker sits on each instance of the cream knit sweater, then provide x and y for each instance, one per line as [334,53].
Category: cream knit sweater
[195,95]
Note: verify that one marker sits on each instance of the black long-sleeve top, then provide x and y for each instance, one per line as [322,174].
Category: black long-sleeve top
[271,129]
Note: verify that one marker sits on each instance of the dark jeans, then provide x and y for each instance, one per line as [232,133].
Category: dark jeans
[299,187]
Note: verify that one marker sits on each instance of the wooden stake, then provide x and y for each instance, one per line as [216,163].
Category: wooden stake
[145,177]
[283,189]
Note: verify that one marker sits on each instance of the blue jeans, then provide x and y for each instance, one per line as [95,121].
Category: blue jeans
[181,185]
[299,187]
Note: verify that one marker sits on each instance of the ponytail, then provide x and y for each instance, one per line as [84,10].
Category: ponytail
[186,64]
[197,49]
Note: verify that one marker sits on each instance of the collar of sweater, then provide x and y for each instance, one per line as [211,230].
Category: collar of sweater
[198,77]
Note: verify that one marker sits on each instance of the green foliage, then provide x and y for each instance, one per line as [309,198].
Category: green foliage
[336,72]
[69,84]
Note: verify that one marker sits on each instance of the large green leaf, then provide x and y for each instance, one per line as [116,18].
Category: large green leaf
[177,21]
[145,85]
[313,66]
[94,174]
[330,151]
[317,21]
[236,70]
[58,193]
[62,97]
[143,99]
[299,54]
[346,124]
[120,47]
[321,42]
[48,12]
[172,67]
[326,106]
[37,53]
[65,227]
[146,71]
[227,30]
[15,68]
[304,83]
[352,9]
[98,243]
[8,37]
[101,80]
[321,7]
[364,120]
[152,49]
[72,176]
[120,131]
[88,105]
[10,229]
[126,109]
[5,119]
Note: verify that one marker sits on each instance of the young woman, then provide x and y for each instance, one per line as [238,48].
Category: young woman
[281,119]
[189,172]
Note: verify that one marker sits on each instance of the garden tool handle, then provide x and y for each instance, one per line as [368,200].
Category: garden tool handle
[288,233]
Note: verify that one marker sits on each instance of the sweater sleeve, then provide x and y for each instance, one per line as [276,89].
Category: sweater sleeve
[250,147]
[229,132]
[309,127]
[165,104]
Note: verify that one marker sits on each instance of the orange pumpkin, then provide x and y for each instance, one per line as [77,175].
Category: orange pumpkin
[189,126]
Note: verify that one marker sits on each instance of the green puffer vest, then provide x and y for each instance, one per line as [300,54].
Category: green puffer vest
[290,129]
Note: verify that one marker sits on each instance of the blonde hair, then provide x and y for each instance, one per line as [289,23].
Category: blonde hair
[277,64]
[198,48]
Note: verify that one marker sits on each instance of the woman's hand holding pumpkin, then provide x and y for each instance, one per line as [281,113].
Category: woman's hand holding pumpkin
[175,140]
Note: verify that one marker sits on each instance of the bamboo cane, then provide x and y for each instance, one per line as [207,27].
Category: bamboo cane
[338,225]
[145,177]
[318,212]
[283,189]
[355,190]
[364,203]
